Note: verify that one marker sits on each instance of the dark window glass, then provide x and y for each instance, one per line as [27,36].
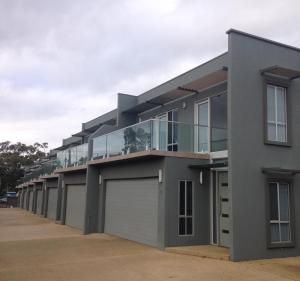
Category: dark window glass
[284,201]
[182,198]
[218,117]
[189,201]
[285,231]
[170,132]
[175,115]
[189,226]
[273,201]
[175,132]
[181,226]
[185,207]
[170,116]
[175,147]
[275,232]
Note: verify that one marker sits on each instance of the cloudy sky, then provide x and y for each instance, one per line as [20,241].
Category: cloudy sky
[62,62]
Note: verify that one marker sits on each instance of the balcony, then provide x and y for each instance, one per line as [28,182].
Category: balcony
[74,156]
[149,135]
[160,135]
[35,172]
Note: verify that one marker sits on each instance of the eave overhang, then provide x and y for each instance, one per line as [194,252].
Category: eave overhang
[182,90]
[281,72]
[207,166]
[280,171]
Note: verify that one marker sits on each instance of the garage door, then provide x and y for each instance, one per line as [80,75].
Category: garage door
[52,203]
[131,210]
[30,200]
[75,210]
[39,201]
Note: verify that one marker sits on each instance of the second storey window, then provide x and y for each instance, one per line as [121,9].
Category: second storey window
[276,114]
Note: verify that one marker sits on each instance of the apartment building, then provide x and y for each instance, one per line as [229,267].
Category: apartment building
[209,157]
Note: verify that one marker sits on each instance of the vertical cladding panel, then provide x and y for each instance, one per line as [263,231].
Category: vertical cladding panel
[52,203]
[30,200]
[131,210]
[39,202]
[75,209]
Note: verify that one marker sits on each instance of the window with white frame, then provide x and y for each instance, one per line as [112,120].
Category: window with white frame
[211,120]
[280,226]
[185,220]
[203,126]
[167,127]
[276,114]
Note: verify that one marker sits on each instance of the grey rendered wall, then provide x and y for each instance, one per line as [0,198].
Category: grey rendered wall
[247,151]
[185,114]
[125,102]
[177,169]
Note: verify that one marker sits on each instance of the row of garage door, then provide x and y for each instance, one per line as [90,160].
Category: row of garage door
[131,208]
[30,202]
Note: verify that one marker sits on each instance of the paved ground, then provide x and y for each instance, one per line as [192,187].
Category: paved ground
[48,251]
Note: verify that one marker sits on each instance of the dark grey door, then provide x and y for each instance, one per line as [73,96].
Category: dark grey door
[224,207]
[52,203]
[131,210]
[39,202]
[75,209]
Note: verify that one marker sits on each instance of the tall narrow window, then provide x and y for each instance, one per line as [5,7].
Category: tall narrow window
[276,114]
[280,227]
[203,127]
[185,220]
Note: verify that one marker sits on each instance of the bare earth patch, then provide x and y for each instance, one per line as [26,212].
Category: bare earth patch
[55,252]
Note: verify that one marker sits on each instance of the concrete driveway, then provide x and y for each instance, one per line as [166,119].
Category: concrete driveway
[34,248]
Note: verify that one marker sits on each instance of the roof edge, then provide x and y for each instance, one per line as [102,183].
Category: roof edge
[185,73]
[232,30]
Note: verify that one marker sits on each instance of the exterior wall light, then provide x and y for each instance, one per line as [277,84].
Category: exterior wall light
[160,176]
[201,177]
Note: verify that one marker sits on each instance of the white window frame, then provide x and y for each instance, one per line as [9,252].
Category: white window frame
[279,221]
[165,114]
[196,142]
[185,216]
[214,154]
[276,122]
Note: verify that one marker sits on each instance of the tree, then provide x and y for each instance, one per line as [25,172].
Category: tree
[13,157]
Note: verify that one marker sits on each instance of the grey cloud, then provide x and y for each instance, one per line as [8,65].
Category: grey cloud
[64,58]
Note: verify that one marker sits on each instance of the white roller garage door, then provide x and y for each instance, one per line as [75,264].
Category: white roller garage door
[131,210]
[75,210]
[52,203]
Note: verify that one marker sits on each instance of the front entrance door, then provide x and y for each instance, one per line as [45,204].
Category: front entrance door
[224,218]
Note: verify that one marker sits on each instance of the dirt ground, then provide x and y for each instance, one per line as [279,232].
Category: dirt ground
[34,248]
